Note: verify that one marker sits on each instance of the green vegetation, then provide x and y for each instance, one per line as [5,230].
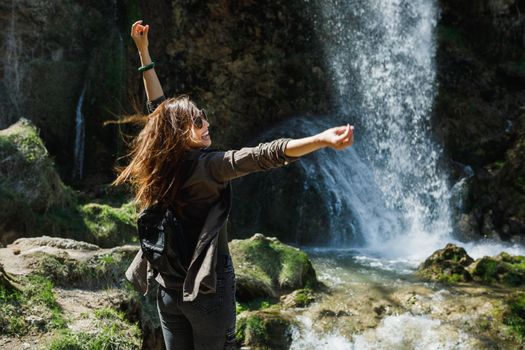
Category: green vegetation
[504,268]
[33,308]
[514,318]
[303,297]
[255,304]
[251,330]
[23,152]
[110,226]
[111,331]
[41,204]
[263,329]
[448,265]
[270,268]
[99,272]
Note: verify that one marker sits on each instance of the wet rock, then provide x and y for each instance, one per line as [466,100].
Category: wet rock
[298,298]
[452,264]
[447,265]
[466,228]
[478,108]
[503,268]
[265,267]
[264,329]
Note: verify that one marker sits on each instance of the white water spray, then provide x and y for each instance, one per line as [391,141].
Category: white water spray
[381,55]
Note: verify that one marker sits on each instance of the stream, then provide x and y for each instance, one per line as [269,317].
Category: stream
[378,303]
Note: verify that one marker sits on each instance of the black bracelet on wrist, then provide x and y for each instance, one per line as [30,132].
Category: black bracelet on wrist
[146,67]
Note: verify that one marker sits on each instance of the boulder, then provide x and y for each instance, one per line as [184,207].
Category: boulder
[29,184]
[265,267]
[264,329]
[298,298]
[34,201]
[452,264]
[503,268]
[447,265]
[110,226]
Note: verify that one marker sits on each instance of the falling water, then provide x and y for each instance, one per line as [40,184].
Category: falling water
[78,167]
[381,56]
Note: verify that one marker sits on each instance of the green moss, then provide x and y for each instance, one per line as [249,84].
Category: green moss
[504,268]
[441,276]
[514,318]
[273,265]
[36,299]
[41,204]
[264,329]
[110,226]
[304,297]
[23,152]
[293,263]
[251,330]
[111,331]
[99,272]
[255,304]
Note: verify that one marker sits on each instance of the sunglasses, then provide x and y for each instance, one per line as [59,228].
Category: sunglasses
[199,120]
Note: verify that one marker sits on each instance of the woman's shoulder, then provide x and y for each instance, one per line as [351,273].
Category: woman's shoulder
[197,153]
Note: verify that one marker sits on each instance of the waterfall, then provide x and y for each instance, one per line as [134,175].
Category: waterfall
[388,192]
[381,56]
[78,165]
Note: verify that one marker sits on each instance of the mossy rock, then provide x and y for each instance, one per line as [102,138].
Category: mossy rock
[29,184]
[265,267]
[504,269]
[298,298]
[110,226]
[514,316]
[26,170]
[101,271]
[264,329]
[447,265]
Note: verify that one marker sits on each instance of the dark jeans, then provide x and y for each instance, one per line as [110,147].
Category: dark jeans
[206,323]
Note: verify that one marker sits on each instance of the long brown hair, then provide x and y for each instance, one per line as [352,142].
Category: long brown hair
[155,165]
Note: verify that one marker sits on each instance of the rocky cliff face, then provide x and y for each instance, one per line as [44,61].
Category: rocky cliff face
[252,64]
[52,50]
[249,64]
[478,111]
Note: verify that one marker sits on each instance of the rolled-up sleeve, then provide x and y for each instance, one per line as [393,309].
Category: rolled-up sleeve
[152,105]
[225,166]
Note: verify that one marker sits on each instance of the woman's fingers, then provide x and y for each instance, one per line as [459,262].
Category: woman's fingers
[134,27]
[345,136]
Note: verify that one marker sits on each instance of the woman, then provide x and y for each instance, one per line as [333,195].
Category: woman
[172,165]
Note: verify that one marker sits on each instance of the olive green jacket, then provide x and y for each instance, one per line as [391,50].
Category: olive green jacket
[208,189]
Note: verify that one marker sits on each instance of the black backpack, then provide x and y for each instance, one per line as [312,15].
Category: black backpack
[162,241]
[161,235]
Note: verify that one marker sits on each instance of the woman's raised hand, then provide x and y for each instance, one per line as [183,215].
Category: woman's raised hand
[339,137]
[139,34]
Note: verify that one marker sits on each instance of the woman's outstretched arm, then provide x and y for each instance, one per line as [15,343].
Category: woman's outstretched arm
[225,166]
[139,34]
[337,138]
